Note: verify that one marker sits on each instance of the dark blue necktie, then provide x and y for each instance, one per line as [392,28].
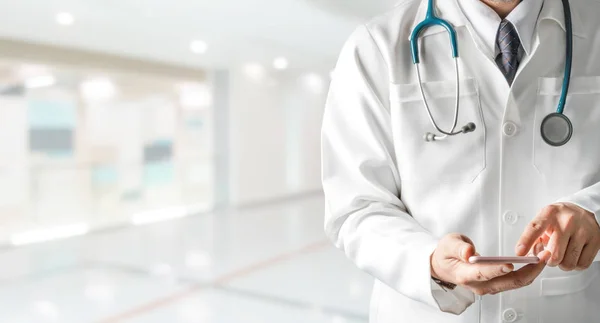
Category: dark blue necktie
[509,43]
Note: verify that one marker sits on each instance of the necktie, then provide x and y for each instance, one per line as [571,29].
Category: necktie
[509,43]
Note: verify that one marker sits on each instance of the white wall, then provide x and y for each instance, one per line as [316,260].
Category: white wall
[275,121]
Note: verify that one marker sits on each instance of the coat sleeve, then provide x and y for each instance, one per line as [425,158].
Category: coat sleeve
[589,200]
[365,216]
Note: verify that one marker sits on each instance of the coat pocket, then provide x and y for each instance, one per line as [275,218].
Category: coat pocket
[459,158]
[571,298]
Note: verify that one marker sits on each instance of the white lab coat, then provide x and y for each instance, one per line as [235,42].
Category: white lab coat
[390,196]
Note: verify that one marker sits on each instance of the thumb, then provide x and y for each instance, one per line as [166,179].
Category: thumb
[463,248]
[466,251]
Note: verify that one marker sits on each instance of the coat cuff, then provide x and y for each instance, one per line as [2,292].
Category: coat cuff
[416,282]
[452,301]
[585,202]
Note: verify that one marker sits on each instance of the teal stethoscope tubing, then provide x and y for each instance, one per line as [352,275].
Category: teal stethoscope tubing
[431,20]
[569,58]
[549,124]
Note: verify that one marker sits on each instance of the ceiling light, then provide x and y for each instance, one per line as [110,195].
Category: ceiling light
[198,47]
[255,71]
[40,81]
[65,19]
[281,63]
[95,90]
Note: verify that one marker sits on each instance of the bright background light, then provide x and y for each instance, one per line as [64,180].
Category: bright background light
[65,18]
[281,63]
[314,83]
[97,90]
[255,71]
[195,95]
[40,81]
[48,234]
[198,47]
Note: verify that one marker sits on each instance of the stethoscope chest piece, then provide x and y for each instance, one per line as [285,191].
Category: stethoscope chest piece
[556,129]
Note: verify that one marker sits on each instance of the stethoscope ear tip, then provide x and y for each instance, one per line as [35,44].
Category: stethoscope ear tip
[470,127]
[429,137]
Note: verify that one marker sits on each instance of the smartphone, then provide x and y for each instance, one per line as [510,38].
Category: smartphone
[504,260]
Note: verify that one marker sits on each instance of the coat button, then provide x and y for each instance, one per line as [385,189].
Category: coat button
[509,129]
[509,315]
[510,217]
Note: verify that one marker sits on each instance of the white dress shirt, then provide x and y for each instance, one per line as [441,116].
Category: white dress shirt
[485,21]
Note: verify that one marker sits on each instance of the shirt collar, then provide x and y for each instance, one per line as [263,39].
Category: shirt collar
[450,10]
[525,17]
[485,21]
[553,10]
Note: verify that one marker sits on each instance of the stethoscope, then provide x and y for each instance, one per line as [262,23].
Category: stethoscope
[556,128]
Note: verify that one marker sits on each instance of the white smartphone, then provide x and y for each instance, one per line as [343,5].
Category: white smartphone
[504,260]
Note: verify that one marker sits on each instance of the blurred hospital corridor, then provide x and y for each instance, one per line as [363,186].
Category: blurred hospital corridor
[265,263]
[160,162]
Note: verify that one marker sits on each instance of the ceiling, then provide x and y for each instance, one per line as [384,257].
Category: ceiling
[307,32]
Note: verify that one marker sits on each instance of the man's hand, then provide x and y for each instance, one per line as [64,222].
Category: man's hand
[450,263]
[571,234]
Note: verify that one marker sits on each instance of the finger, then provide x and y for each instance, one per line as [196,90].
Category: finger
[588,253]
[460,247]
[465,239]
[486,272]
[572,253]
[545,239]
[539,247]
[544,256]
[517,279]
[557,246]
[467,251]
[535,229]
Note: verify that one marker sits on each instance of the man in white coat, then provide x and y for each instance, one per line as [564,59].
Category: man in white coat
[411,213]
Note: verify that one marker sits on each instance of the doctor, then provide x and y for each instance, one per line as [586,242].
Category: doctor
[501,182]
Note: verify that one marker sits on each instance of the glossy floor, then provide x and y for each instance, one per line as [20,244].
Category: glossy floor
[268,263]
